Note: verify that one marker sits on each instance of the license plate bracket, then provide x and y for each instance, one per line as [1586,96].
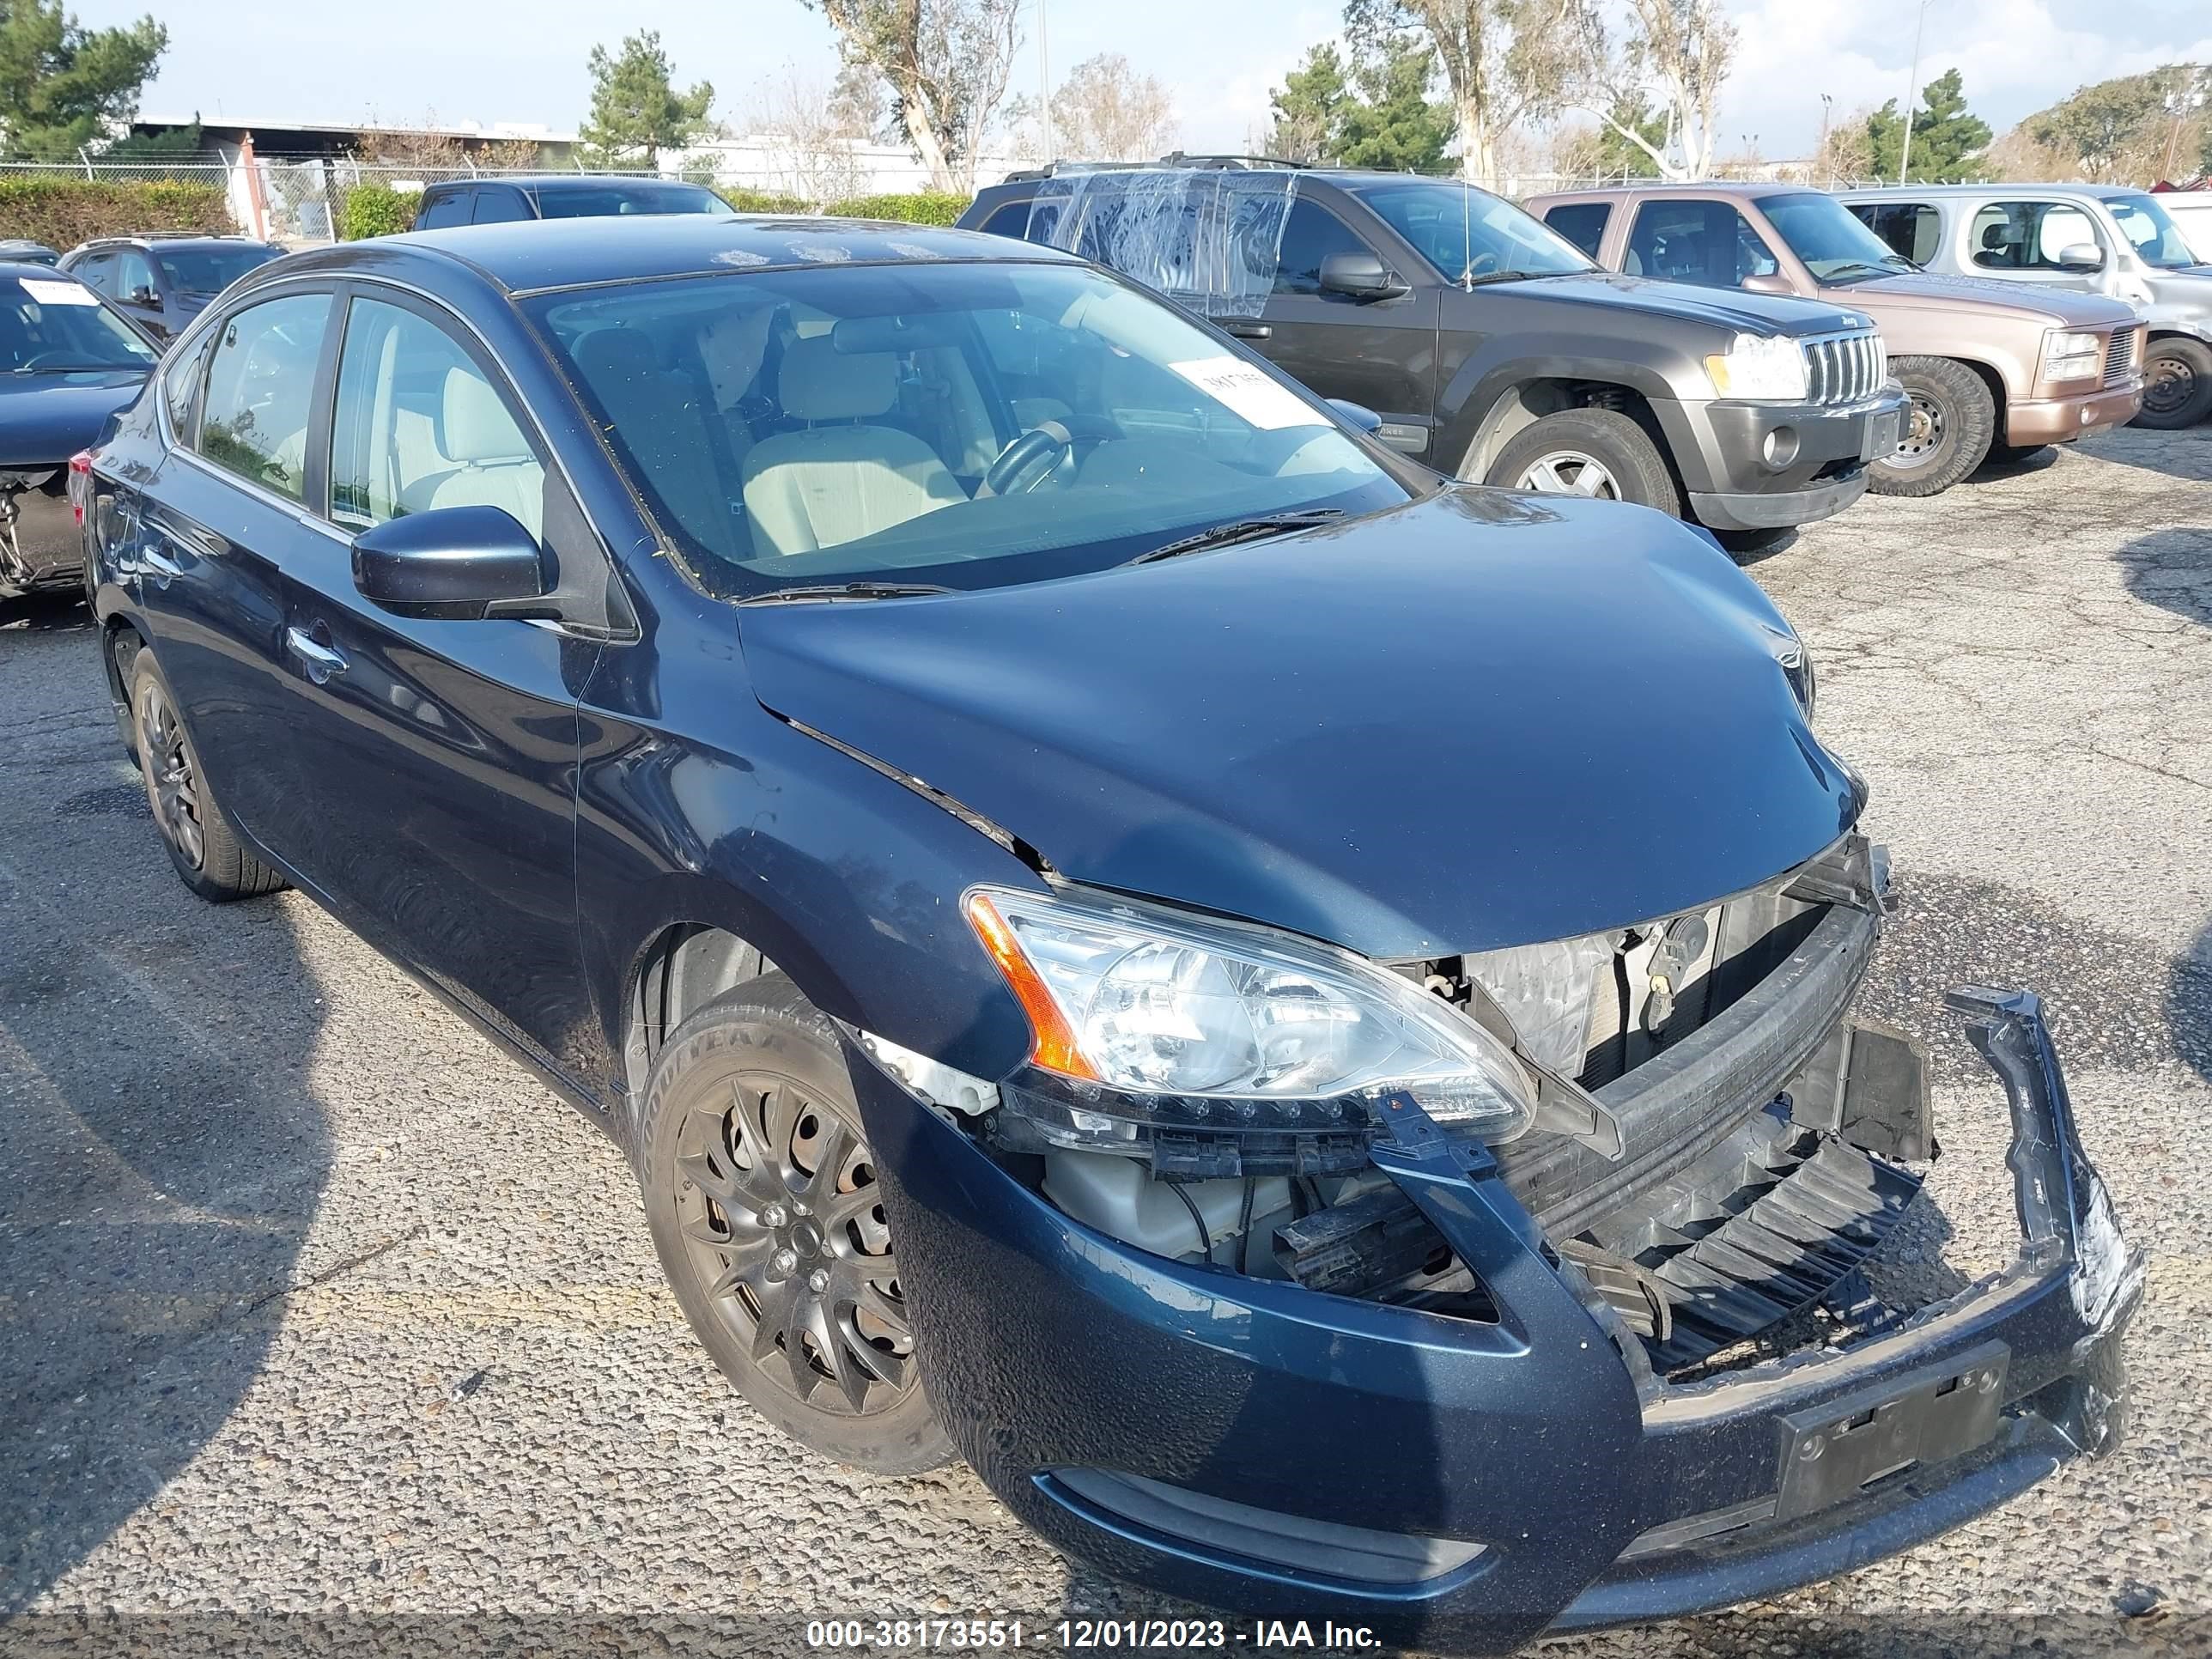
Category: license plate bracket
[1882,436]
[1830,1453]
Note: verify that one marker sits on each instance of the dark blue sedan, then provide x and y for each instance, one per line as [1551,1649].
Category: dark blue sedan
[1294,1013]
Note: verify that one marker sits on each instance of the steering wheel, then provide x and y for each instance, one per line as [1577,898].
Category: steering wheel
[1038,454]
[1481,263]
[45,357]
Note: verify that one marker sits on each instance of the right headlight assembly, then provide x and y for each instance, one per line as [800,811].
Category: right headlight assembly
[1146,1021]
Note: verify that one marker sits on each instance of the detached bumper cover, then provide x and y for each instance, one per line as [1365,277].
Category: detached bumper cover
[1069,1369]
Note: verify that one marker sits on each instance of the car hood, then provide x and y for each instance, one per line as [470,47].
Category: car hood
[46,419]
[1922,291]
[1722,308]
[2181,299]
[1476,720]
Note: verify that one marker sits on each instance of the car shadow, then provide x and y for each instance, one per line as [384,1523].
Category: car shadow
[163,1152]
[1995,467]
[2173,569]
[60,612]
[2188,1004]
[2185,455]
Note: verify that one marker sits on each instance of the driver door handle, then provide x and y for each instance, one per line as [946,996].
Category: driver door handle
[321,661]
[1248,330]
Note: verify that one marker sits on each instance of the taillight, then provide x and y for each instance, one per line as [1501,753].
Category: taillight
[79,484]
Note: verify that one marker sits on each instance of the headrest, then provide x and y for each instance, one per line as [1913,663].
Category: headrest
[478,429]
[1998,235]
[821,383]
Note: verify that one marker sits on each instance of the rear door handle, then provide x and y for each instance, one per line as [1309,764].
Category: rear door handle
[1248,330]
[321,661]
[153,559]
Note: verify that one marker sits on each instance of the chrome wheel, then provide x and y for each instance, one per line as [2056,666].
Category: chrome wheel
[783,1224]
[1926,426]
[172,784]
[2171,384]
[1569,472]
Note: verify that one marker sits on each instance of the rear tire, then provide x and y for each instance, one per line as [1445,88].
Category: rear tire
[784,1266]
[201,843]
[1949,427]
[1597,453]
[2176,384]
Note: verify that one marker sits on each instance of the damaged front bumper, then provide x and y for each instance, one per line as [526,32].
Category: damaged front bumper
[1464,1485]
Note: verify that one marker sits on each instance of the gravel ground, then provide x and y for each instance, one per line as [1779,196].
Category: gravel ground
[327,1329]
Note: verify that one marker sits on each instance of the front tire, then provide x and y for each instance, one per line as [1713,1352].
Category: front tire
[767,1214]
[1597,453]
[2176,384]
[201,843]
[1948,428]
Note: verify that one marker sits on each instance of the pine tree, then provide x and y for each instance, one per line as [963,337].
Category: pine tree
[1947,141]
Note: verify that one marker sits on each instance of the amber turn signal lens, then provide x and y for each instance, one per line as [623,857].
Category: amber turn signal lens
[1054,1047]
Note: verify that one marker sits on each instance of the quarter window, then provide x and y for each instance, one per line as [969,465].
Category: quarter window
[1310,235]
[1582,223]
[2028,235]
[261,391]
[419,425]
[1012,219]
[1709,243]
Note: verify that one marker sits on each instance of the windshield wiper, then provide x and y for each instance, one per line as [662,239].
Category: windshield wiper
[831,591]
[1483,280]
[76,369]
[1242,530]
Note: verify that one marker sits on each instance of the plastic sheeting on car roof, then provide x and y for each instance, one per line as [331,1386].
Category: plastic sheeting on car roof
[1208,237]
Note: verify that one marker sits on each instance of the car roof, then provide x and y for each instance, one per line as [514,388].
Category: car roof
[1744,190]
[172,239]
[533,254]
[567,180]
[1876,193]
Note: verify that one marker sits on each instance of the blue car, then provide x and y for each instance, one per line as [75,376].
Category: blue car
[1293,1012]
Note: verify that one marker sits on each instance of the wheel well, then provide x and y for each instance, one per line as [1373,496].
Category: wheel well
[685,966]
[1522,406]
[113,634]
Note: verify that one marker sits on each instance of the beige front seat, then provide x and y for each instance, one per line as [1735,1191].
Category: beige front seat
[832,484]
[492,462]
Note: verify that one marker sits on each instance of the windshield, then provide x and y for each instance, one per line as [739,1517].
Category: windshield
[601,201]
[969,425]
[1835,245]
[1469,234]
[208,270]
[51,324]
[2155,237]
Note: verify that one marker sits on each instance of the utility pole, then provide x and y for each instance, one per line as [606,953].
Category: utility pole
[1911,94]
[1044,88]
[1820,155]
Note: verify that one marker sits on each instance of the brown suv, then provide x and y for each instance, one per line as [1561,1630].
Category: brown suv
[1990,371]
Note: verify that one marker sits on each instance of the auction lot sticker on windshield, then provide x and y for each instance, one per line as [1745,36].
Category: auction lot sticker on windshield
[1249,394]
[48,292]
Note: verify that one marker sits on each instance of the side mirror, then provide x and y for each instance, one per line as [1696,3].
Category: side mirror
[142,297]
[1361,277]
[2082,256]
[1357,414]
[458,563]
[1772,281]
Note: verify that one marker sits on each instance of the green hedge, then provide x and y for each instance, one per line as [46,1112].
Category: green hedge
[761,201]
[929,207]
[373,209]
[62,212]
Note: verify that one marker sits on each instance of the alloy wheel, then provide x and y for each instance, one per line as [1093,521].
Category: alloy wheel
[1569,472]
[783,1222]
[1926,426]
[172,782]
[2172,384]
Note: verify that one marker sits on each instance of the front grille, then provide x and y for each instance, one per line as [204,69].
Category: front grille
[1845,368]
[2120,355]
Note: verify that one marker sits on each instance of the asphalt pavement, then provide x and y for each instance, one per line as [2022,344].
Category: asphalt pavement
[325,1327]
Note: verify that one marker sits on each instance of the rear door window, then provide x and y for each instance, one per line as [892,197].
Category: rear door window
[95,271]
[1913,229]
[2027,236]
[261,391]
[1708,243]
[1582,223]
[499,205]
[1012,219]
[452,207]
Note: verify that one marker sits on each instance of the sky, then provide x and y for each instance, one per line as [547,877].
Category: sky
[499,60]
